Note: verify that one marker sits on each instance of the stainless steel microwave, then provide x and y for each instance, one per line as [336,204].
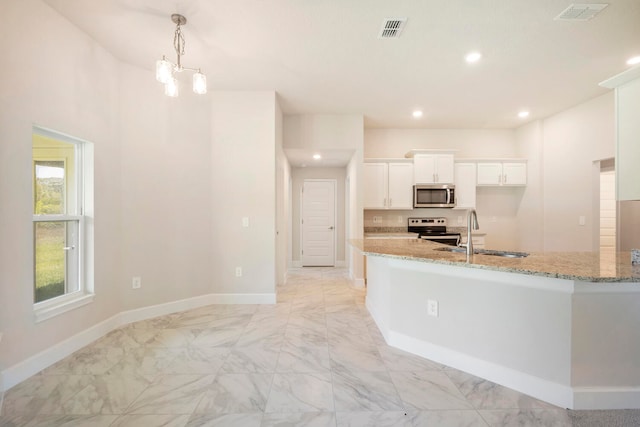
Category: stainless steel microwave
[434,196]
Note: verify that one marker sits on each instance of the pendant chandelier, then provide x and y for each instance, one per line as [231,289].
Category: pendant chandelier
[166,70]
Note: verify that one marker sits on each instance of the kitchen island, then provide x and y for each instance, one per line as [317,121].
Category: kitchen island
[561,327]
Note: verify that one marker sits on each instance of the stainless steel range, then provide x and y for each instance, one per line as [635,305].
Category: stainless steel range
[434,229]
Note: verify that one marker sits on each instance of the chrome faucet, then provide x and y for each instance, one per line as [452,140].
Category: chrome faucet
[472,223]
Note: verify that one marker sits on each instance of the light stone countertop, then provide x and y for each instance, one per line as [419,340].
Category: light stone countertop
[581,266]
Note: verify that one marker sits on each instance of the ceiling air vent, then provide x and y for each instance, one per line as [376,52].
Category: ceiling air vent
[391,28]
[580,12]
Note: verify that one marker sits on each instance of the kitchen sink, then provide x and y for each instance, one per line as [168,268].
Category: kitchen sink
[456,249]
[505,254]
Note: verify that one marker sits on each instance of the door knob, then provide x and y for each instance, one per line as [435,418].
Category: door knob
[331,228]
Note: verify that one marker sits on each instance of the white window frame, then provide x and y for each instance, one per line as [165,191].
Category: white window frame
[84,210]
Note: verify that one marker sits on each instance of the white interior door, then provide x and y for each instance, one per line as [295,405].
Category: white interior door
[318,223]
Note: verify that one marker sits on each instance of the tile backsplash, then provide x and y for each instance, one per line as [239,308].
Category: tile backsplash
[374,218]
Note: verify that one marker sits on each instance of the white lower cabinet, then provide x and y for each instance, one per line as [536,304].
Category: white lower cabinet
[388,185]
[465,182]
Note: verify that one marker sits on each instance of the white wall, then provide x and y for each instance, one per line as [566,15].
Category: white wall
[299,175]
[166,202]
[243,165]
[573,140]
[283,201]
[355,215]
[173,179]
[328,131]
[468,143]
[530,217]
[55,76]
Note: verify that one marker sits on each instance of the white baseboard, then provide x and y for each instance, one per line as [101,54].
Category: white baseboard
[22,370]
[606,398]
[337,264]
[358,283]
[554,393]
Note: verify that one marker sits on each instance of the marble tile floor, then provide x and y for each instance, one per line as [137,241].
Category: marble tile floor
[315,358]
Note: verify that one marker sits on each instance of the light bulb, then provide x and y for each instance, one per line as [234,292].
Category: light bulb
[171,87]
[473,57]
[164,70]
[633,61]
[199,83]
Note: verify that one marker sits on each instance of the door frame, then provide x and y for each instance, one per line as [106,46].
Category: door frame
[335,216]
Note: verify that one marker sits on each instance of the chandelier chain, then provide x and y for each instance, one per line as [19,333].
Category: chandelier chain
[178,41]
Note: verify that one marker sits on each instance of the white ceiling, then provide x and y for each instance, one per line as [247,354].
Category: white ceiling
[324,56]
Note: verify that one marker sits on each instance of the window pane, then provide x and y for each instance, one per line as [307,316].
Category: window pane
[56,258]
[49,189]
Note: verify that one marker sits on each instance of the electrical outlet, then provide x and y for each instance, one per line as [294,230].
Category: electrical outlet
[136,283]
[432,308]
[400,219]
[245,221]
[377,219]
[238,271]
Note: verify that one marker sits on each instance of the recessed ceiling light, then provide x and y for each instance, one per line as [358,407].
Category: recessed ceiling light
[417,114]
[523,114]
[633,61]
[317,156]
[473,57]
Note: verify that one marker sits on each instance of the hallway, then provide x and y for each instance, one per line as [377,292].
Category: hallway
[313,359]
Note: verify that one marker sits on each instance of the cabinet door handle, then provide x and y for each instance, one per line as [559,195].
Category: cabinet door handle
[505,178]
[384,203]
[390,202]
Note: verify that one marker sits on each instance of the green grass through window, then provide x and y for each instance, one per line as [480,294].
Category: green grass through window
[50,263]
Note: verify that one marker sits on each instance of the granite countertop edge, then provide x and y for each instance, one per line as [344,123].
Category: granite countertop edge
[428,255]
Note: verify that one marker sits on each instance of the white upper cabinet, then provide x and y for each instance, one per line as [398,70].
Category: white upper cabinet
[433,168]
[375,185]
[502,173]
[400,186]
[388,185]
[465,185]
[514,173]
